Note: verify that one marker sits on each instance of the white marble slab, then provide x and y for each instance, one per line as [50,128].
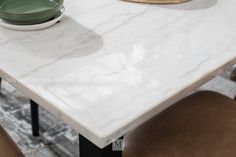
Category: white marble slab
[111,65]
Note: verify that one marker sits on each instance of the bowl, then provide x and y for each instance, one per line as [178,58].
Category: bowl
[28,12]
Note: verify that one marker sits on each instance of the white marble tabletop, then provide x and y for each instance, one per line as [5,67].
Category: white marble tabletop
[110,65]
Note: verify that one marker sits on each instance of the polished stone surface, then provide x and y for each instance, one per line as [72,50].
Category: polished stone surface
[57,139]
[110,65]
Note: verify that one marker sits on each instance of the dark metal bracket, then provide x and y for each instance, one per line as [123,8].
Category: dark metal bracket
[34,118]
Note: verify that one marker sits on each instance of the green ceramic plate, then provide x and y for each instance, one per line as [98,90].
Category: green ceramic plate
[27,12]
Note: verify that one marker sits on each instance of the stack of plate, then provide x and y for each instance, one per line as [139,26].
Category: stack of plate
[30,14]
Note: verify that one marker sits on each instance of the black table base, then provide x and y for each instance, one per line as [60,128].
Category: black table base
[34,118]
[88,149]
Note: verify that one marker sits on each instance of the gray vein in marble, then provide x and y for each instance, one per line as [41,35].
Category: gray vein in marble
[195,68]
[128,20]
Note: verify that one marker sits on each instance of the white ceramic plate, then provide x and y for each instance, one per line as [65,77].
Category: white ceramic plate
[35,26]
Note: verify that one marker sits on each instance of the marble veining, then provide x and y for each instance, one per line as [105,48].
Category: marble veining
[110,65]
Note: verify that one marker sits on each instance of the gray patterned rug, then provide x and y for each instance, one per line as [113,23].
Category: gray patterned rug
[57,139]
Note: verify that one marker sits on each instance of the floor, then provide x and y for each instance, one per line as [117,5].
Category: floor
[57,139]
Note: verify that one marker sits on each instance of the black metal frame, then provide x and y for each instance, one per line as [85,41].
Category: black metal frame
[34,118]
[88,149]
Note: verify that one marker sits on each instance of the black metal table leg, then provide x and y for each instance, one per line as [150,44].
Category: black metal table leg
[0,83]
[88,149]
[34,118]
